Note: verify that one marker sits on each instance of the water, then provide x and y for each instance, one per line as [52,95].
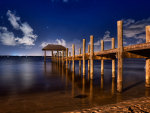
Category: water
[27,84]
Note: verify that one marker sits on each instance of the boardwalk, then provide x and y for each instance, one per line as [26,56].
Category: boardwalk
[132,51]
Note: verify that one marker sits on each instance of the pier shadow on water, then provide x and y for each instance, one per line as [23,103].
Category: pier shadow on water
[30,85]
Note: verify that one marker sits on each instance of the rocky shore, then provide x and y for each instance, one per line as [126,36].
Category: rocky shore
[139,105]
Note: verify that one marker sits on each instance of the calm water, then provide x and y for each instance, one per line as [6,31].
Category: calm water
[27,84]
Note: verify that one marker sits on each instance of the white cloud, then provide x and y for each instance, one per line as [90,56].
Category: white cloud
[8,38]
[13,19]
[135,29]
[57,41]
[106,38]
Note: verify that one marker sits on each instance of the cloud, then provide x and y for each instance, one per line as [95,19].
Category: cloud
[57,42]
[135,29]
[8,38]
[13,19]
[106,38]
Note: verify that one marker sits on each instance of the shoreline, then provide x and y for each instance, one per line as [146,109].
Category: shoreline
[138,105]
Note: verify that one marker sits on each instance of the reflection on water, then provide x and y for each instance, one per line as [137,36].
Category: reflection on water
[33,76]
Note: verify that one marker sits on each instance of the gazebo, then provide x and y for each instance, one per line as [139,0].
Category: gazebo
[52,48]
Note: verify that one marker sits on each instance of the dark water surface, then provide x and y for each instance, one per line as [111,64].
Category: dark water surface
[27,84]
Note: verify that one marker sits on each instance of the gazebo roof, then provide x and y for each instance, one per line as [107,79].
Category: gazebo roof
[52,47]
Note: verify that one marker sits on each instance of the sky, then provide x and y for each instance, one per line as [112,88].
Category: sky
[28,25]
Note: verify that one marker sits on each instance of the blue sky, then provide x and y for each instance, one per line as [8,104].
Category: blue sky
[27,25]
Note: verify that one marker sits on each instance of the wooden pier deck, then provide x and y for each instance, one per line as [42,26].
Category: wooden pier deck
[131,51]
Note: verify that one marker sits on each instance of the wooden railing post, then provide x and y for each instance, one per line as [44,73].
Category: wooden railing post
[73,57]
[120,55]
[147,84]
[79,62]
[102,61]
[113,61]
[91,56]
[83,56]
[66,57]
[88,59]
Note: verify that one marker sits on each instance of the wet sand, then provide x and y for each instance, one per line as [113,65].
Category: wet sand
[137,105]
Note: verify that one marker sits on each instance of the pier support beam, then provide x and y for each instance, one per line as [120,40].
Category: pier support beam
[83,56]
[62,58]
[52,56]
[89,60]
[91,56]
[79,62]
[57,57]
[73,57]
[102,61]
[113,61]
[147,84]
[44,56]
[67,58]
[120,56]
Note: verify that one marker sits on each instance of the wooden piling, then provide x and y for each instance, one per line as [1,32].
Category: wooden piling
[62,57]
[52,55]
[44,56]
[73,57]
[91,56]
[83,56]
[120,55]
[102,61]
[89,60]
[79,62]
[66,57]
[113,61]
[57,57]
[69,60]
[147,84]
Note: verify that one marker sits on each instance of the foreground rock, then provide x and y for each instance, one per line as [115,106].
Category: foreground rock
[140,105]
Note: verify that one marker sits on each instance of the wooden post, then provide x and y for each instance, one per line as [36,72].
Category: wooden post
[120,56]
[91,56]
[102,61]
[52,56]
[79,62]
[73,56]
[66,57]
[62,57]
[88,60]
[69,60]
[45,56]
[57,57]
[113,61]
[147,84]
[83,56]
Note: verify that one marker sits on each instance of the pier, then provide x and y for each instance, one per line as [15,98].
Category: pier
[132,51]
